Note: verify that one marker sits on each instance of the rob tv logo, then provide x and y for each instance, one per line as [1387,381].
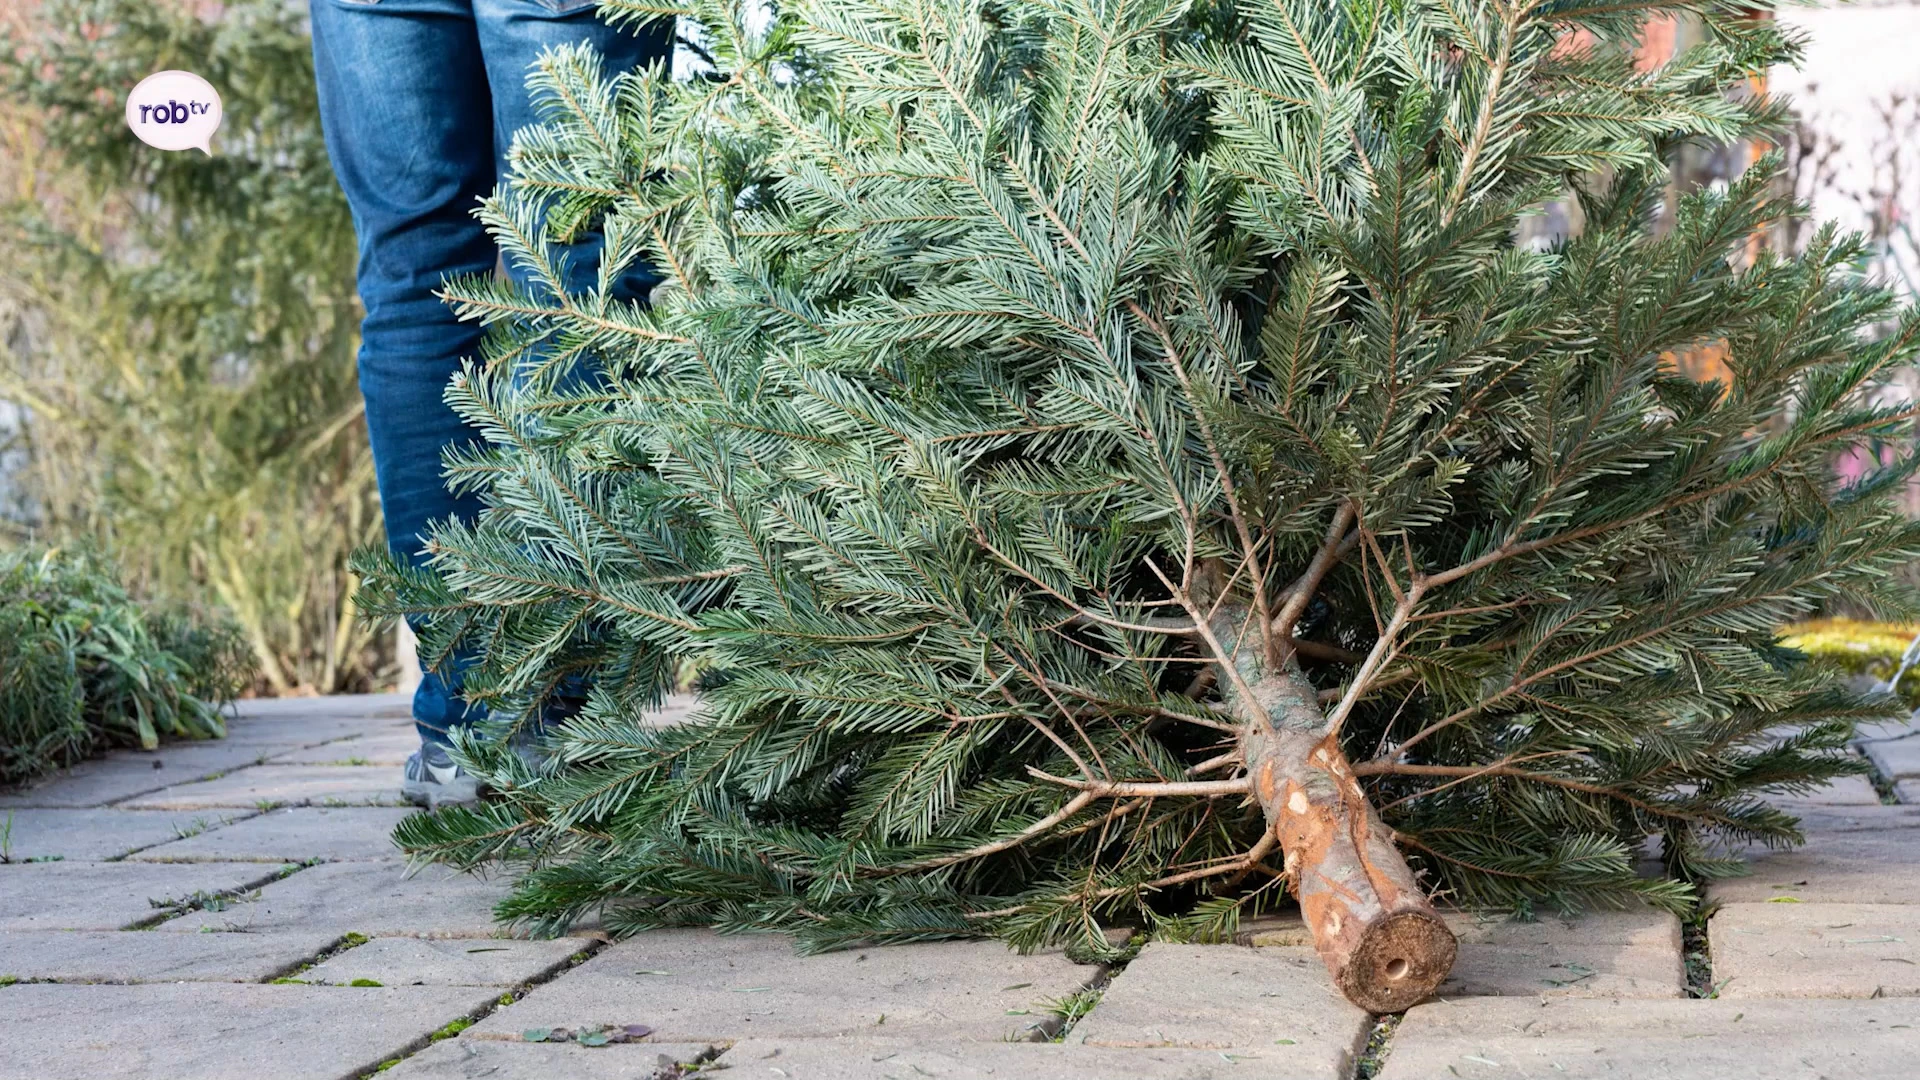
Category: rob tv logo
[174,110]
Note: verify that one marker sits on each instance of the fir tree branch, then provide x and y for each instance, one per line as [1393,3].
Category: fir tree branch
[1307,585]
[1249,552]
[1514,11]
[1151,789]
[1067,810]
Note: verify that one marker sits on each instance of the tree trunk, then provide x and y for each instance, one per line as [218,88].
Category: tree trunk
[1371,923]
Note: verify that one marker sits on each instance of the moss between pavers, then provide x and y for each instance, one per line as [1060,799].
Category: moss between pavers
[347,941]
[1379,1042]
[455,1027]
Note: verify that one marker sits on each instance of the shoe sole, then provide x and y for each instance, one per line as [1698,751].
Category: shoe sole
[464,791]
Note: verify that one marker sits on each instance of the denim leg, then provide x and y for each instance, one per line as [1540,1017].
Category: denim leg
[418,100]
[408,118]
[513,34]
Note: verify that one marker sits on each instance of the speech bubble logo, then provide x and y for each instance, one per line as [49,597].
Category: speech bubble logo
[175,110]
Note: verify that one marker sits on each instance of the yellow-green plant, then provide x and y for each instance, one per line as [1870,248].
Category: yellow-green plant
[1859,647]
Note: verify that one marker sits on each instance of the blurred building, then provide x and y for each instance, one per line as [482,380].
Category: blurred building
[1855,153]
[1856,156]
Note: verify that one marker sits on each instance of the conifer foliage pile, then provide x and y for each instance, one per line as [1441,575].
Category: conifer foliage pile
[1093,449]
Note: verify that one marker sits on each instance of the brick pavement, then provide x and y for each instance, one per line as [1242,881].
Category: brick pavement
[236,909]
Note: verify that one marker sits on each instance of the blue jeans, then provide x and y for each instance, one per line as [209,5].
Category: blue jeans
[419,101]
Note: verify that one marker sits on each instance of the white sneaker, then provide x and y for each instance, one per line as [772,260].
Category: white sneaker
[433,779]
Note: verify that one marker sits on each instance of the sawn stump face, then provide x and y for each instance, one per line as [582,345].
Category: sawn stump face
[1400,961]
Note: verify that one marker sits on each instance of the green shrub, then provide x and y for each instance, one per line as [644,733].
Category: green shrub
[83,666]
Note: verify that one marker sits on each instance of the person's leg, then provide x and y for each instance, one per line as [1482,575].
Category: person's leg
[513,34]
[408,118]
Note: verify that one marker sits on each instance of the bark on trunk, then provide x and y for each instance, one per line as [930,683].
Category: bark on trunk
[1382,941]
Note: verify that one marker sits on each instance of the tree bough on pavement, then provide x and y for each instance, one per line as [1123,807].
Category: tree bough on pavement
[1112,463]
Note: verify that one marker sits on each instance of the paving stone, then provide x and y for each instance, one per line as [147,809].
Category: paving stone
[411,961]
[1636,925]
[294,834]
[1281,927]
[1590,1039]
[284,785]
[216,1031]
[1907,791]
[310,721]
[97,835]
[371,898]
[1837,867]
[1276,1001]
[121,956]
[1588,970]
[1895,759]
[864,1059]
[471,1059]
[386,748]
[1886,728]
[694,985]
[281,736]
[1816,950]
[1633,953]
[333,706]
[1815,820]
[474,1059]
[109,896]
[125,774]
[1841,791]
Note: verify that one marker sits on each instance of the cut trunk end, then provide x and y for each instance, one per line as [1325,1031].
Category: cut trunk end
[1399,961]
[1382,941]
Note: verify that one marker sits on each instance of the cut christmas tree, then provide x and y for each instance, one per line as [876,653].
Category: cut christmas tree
[1111,464]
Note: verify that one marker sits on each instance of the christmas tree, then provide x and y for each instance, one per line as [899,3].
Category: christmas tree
[1113,464]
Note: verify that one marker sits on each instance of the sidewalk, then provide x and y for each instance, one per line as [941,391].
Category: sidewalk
[236,910]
